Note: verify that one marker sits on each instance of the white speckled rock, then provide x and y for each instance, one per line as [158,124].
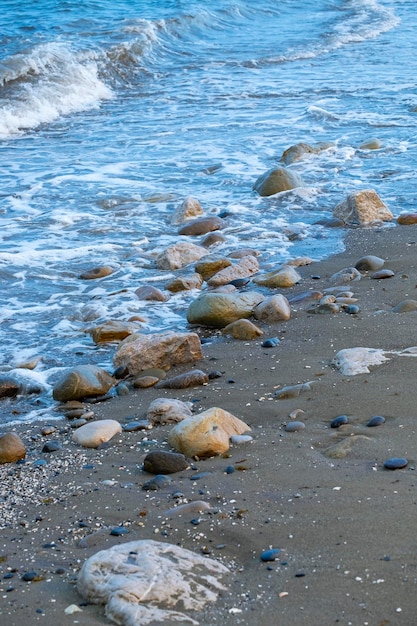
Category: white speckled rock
[93,434]
[363,207]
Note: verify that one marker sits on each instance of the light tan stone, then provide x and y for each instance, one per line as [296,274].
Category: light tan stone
[12,448]
[93,434]
[82,382]
[273,309]
[112,330]
[247,266]
[187,210]
[179,255]
[361,208]
[217,309]
[242,329]
[276,180]
[285,276]
[211,265]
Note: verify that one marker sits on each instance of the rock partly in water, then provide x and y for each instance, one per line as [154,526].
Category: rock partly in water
[97,272]
[280,278]
[185,283]
[112,330]
[179,255]
[212,264]
[219,309]
[9,387]
[246,266]
[93,434]
[168,411]
[161,350]
[148,582]
[407,219]
[164,462]
[202,226]
[12,448]
[207,434]
[276,180]
[150,293]
[362,208]
[189,209]
[81,382]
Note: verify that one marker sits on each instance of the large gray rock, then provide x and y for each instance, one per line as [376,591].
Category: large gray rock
[246,266]
[162,350]
[93,434]
[12,448]
[219,309]
[207,434]
[276,180]
[81,382]
[361,208]
[149,582]
[179,255]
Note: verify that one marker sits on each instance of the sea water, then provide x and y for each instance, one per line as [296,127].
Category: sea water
[112,113]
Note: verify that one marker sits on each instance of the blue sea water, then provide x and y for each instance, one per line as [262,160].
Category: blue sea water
[112,113]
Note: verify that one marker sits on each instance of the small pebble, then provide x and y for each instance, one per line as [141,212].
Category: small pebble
[300,574]
[215,374]
[340,420]
[51,446]
[395,463]
[352,309]
[157,482]
[229,469]
[377,420]
[270,555]
[295,426]
[200,475]
[196,521]
[29,576]
[137,425]
[118,531]
[48,430]
[270,343]
[40,463]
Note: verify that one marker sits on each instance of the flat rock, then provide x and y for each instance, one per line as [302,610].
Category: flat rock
[276,180]
[193,378]
[81,382]
[273,309]
[161,350]
[148,582]
[382,274]
[97,272]
[164,462]
[209,266]
[219,309]
[285,276]
[206,434]
[12,448]
[168,411]
[93,434]
[246,266]
[202,226]
[405,306]
[185,283]
[244,330]
[179,255]
[362,208]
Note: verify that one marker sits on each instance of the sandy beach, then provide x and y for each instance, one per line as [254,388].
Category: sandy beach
[344,524]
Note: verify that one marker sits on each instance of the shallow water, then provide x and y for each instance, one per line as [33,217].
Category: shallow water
[111,115]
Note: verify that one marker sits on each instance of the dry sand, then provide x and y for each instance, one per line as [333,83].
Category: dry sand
[345,526]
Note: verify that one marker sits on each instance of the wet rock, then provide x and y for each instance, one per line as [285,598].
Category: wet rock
[187,210]
[112,331]
[241,252]
[297,152]
[163,462]
[276,180]
[179,255]
[135,425]
[294,427]
[273,342]
[202,226]
[212,239]
[160,350]
[381,274]
[243,330]
[93,434]
[340,420]
[405,306]
[371,144]
[395,463]
[407,219]
[377,420]
[369,263]
[151,294]
[185,283]
[281,278]
[181,581]
[210,265]
[12,448]
[247,266]
[193,378]
[273,309]
[157,482]
[207,434]
[219,309]
[270,555]
[119,531]
[362,208]
[81,382]
[9,388]
[97,272]
[168,411]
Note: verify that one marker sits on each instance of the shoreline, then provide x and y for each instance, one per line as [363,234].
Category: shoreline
[343,523]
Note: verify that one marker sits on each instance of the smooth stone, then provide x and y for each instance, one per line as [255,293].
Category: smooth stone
[338,421]
[122,389]
[395,463]
[81,382]
[189,508]
[293,391]
[215,374]
[273,342]
[243,330]
[210,265]
[212,239]
[293,427]
[202,226]
[239,439]
[94,434]
[164,462]
[29,576]
[189,209]
[241,252]
[377,420]
[351,309]
[276,180]
[137,425]
[119,531]
[273,309]
[185,283]
[245,267]
[179,255]
[97,272]
[285,276]
[371,144]
[151,294]
[405,306]
[407,219]
[144,382]
[270,555]
[112,330]
[346,275]
[324,309]
[48,430]
[52,446]
[230,469]
[381,274]
[12,448]
[369,263]
[220,309]
[200,475]
[157,482]
[193,378]
[168,411]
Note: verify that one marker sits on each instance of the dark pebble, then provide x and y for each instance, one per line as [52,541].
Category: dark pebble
[8,575]
[60,570]
[40,463]
[28,576]
[239,282]
[316,277]
[352,309]
[229,469]
[395,463]
[231,381]
[200,475]
[40,611]
[177,495]
[270,343]
[118,531]
[270,555]
[51,446]
[9,589]
[121,372]
[377,420]
[340,420]
[164,462]
[299,574]
[157,482]
[137,425]
[88,466]
[196,521]
[49,545]
[215,374]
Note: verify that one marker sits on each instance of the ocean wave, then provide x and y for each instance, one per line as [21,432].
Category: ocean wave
[46,82]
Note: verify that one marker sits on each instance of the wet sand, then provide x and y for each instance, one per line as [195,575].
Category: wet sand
[344,524]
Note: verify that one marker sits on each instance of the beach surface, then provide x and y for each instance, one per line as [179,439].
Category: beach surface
[344,525]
